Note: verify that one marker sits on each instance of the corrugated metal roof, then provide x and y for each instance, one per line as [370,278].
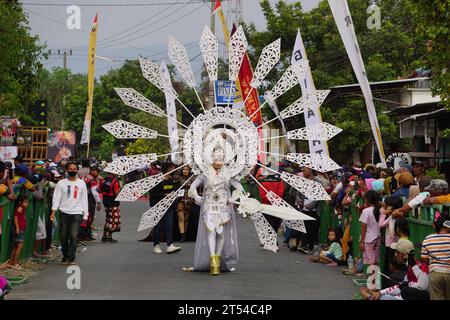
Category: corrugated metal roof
[426,115]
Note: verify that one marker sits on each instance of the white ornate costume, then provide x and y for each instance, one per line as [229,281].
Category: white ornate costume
[216,233]
[227,135]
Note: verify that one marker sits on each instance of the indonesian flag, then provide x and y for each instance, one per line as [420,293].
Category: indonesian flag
[217,7]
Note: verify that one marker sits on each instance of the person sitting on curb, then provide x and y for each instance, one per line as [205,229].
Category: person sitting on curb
[333,255]
[415,283]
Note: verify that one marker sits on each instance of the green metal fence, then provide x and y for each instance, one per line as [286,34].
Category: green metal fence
[36,209]
[420,224]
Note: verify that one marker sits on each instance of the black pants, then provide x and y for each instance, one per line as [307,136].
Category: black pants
[312,230]
[273,221]
[85,232]
[167,222]
[70,225]
[388,254]
[409,293]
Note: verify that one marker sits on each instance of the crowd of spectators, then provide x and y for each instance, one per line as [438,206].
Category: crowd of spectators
[384,198]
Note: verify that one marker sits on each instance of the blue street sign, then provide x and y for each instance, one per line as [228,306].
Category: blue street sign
[222,90]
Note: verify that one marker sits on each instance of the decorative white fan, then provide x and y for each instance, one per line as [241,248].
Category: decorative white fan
[231,128]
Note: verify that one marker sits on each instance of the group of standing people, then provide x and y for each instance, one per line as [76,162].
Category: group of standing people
[78,197]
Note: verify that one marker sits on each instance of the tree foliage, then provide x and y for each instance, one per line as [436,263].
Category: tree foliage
[432,19]
[20,54]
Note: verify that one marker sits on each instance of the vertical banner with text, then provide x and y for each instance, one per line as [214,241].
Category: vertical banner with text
[171,113]
[343,19]
[86,135]
[312,115]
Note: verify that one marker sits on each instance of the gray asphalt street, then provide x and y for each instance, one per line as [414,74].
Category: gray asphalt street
[129,270]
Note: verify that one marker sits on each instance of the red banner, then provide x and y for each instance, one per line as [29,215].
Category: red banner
[252,103]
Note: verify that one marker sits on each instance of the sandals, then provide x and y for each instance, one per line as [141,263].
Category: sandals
[15,267]
[188,269]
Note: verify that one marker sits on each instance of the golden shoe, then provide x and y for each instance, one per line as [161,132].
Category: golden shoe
[215,265]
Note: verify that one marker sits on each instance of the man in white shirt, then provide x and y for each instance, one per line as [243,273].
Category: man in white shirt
[416,201]
[71,198]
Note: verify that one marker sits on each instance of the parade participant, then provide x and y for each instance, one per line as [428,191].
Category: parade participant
[110,188]
[70,197]
[96,183]
[184,207]
[309,207]
[164,188]
[216,248]
[94,202]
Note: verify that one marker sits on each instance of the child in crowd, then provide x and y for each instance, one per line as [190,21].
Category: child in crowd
[333,255]
[414,285]
[387,221]
[370,231]
[401,228]
[20,224]
[397,273]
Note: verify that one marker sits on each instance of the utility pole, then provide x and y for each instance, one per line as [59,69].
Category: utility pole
[65,60]
[211,83]
[236,11]
[65,54]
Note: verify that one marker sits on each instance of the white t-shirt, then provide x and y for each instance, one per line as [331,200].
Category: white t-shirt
[373,230]
[417,201]
[338,187]
[71,197]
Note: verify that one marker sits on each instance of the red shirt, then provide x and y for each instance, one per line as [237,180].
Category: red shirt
[20,214]
[276,187]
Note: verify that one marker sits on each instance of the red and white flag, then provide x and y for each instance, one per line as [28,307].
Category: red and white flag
[217,7]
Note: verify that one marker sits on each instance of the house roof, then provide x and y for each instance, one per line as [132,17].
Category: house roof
[381,86]
[427,115]
[415,109]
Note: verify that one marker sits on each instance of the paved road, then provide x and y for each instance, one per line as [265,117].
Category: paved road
[129,270]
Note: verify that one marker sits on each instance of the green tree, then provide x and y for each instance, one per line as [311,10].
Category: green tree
[20,54]
[53,86]
[432,20]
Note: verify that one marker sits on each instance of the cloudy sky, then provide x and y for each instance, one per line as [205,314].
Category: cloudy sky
[127,30]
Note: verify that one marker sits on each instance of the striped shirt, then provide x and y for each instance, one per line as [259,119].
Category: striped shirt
[436,250]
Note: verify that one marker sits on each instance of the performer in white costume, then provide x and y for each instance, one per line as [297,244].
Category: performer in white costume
[222,145]
[216,246]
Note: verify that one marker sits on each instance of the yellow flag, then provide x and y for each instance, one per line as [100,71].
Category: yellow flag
[91,71]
